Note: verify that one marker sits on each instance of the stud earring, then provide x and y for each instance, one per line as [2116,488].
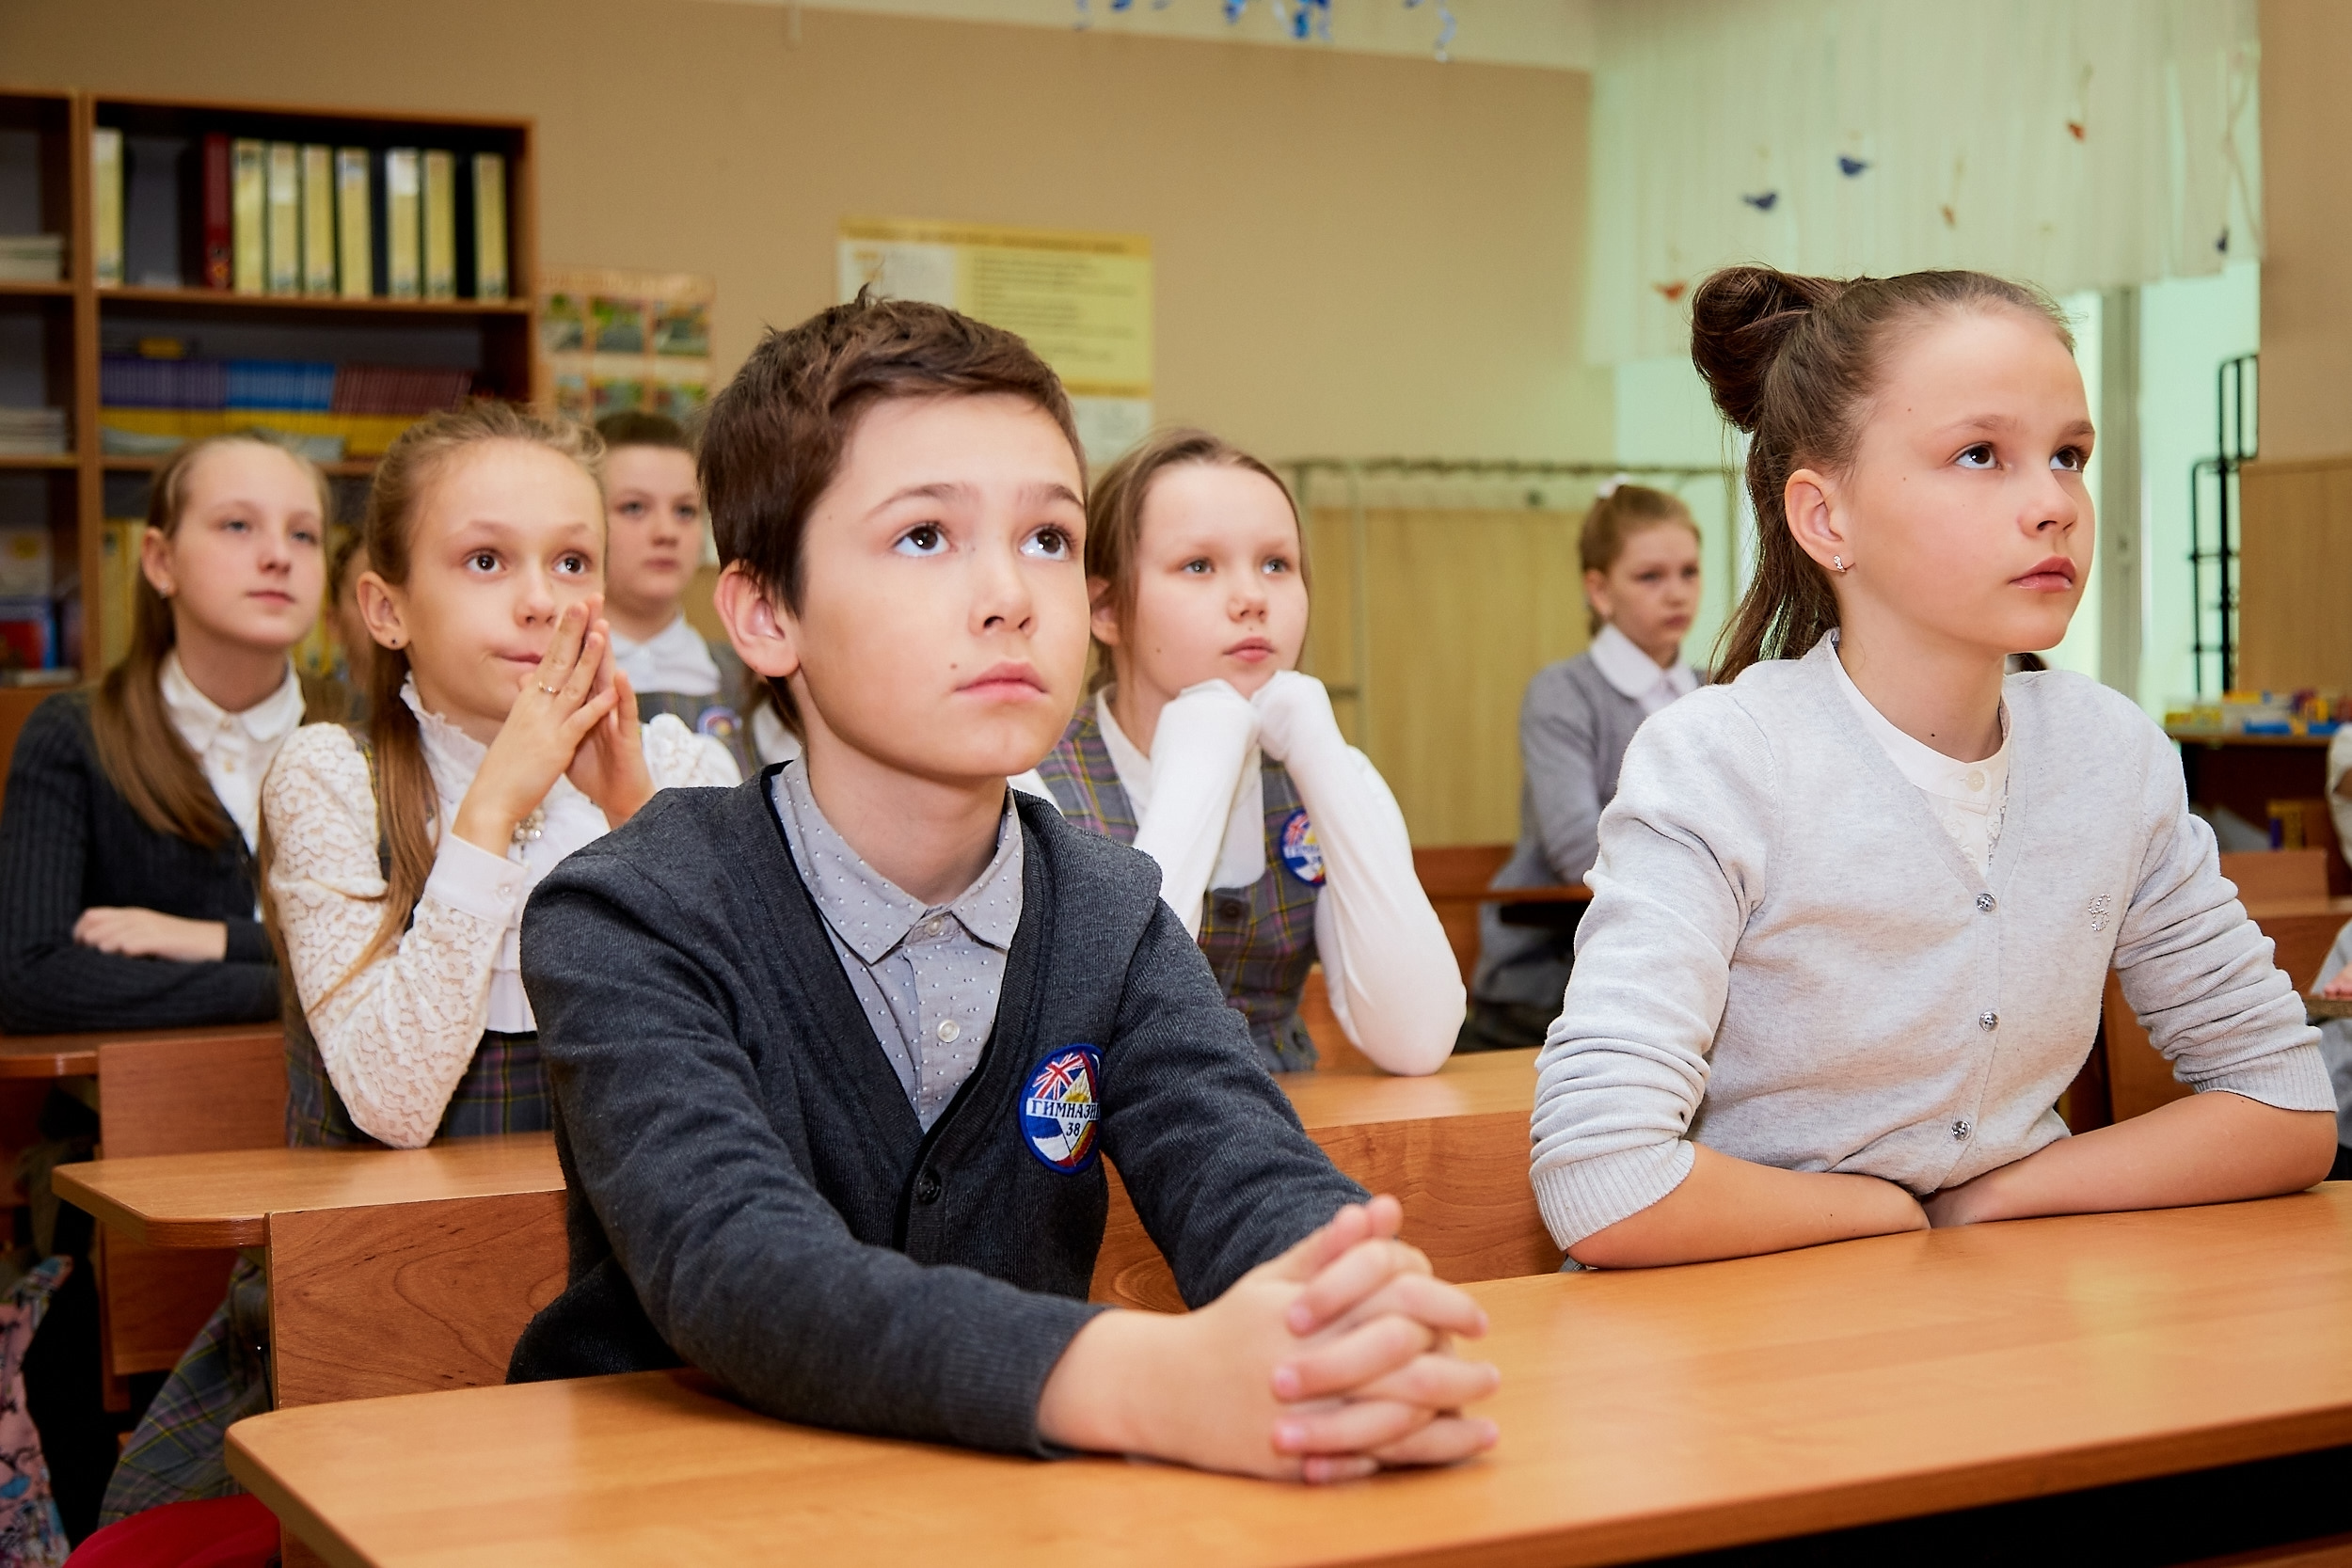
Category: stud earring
[1837,564]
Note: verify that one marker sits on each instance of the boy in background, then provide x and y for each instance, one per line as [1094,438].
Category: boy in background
[653,542]
[836,1056]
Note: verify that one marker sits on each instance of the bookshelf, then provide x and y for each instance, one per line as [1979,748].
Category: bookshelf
[54,336]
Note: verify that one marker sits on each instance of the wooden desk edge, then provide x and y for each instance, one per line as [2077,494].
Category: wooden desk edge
[48,1064]
[1744,1521]
[293,1513]
[244,1230]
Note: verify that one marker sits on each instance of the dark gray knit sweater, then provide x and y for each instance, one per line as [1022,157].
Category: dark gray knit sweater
[69,842]
[751,1191]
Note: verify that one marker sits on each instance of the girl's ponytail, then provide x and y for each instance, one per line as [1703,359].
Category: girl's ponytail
[1793,361]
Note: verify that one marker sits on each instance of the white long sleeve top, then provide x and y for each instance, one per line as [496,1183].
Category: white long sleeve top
[1789,958]
[397,1039]
[1390,972]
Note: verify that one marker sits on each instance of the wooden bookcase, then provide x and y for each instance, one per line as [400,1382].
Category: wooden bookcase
[53,335]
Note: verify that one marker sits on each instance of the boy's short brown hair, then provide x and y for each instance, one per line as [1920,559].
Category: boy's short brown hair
[774,436]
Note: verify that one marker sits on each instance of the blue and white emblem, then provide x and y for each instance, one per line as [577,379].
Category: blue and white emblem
[1301,855]
[1062,1107]
[721,722]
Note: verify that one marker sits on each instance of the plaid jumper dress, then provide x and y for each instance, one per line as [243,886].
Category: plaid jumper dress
[1259,941]
[178,1452]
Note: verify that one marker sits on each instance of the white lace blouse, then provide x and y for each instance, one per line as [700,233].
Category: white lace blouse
[398,1037]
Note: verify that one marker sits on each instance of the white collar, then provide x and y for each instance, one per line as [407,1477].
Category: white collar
[676,660]
[1975,785]
[453,757]
[1241,854]
[274,717]
[1637,675]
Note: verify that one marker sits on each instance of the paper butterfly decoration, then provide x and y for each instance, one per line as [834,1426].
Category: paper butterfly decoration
[1852,167]
[1673,290]
[1764,202]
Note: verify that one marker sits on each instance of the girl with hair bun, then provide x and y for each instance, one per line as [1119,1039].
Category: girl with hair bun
[1856,906]
[1640,551]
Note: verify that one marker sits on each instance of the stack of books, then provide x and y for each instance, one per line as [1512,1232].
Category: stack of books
[32,432]
[32,258]
[149,406]
[290,219]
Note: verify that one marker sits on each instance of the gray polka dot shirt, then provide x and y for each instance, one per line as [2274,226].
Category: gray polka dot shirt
[928,978]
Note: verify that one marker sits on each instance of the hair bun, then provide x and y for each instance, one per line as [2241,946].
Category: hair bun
[1739,319]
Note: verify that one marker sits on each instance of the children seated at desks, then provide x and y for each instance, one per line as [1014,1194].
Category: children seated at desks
[653,508]
[1854,910]
[1640,551]
[1278,843]
[501,738]
[128,900]
[838,1056]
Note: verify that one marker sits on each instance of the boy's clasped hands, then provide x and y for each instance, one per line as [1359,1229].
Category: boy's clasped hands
[1326,1364]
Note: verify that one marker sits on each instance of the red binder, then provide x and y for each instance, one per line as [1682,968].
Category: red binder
[218,269]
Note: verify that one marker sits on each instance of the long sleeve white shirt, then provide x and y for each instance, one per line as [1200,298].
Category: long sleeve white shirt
[397,1037]
[1390,972]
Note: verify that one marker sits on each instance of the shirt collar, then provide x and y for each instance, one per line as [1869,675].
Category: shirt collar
[871,913]
[1970,783]
[274,717]
[676,659]
[1634,673]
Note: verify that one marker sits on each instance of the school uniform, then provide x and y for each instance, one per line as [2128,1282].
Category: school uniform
[433,1039]
[1575,722]
[1269,889]
[700,684]
[1814,948]
[843,1151]
[70,842]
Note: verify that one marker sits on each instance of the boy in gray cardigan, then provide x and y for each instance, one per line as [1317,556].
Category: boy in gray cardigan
[838,1055]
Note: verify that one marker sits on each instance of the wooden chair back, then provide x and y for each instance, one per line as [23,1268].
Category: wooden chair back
[1456,877]
[408,1298]
[2264,876]
[201,1094]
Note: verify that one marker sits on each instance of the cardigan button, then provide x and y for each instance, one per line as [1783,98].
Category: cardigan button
[927,1187]
[1985,902]
[1988,1020]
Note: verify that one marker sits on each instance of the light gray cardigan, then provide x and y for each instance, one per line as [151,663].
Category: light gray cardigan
[1574,727]
[1788,960]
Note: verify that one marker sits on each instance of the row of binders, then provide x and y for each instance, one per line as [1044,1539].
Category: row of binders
[287,218]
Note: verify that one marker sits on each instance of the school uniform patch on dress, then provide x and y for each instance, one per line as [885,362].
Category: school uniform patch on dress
[1060,1109]
[1301,855]
[721,722]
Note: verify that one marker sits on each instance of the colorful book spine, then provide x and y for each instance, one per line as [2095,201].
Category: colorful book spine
[440,225]
[285,218]
[105,167]
[403,237]
[248,208]
[355,209]
[489,226]
[318,221]
[219,242]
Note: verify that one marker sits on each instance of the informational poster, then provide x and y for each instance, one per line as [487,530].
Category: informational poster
[612,340]
[1083,301]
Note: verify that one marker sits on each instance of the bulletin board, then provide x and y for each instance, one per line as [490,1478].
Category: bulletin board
[1083,301]
[612,340]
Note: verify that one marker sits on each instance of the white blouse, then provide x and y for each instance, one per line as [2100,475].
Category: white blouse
[674,659]
[1969,798]
[1393,979]
[1635,674]
[235,749]
[397,1037]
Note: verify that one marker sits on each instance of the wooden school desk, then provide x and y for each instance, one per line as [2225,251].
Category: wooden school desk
[1642,1413]
[389,1271]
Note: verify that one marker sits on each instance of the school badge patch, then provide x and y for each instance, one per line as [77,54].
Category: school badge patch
[721,722]
[1062,1107]
[1301,855]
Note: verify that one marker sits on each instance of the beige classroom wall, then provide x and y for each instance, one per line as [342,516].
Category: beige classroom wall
[1355,254]
[2295,569]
